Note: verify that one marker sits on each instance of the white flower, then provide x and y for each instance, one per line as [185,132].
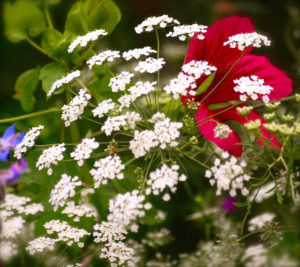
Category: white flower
[105,56]
[259,221]
[59,83]
[222,131]
[83,40]
[113,124]
[78,211]
[103,108]
[229,176]
[108,232]
[14,202]
[198,68]
[262,193]
[184,31]
[132,118]
[8,250]
[164,178]
[84,149]
[126,100]
[106,168]
[244,40]
[28,141]
[63,190]
[158,116]
[155,22]
[33,208]
[252,87]
[65,232]
[138,52]
[11,227]
[75,108]
[119,82]
[51,155]
[255,256]
[142,88]
[41,244]
[167,132]
[143,142]
[150,65]
[180,85]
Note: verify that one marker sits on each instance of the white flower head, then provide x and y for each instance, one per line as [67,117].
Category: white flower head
[222,131]
[106,168]
[258,222]
[137,53]
[152,23]
[126,100]
[244,40]
[119,82]
[132,118]
[103,108]
[51,155]
[78,211]
[158,116]
[75,108]
[41,244]
[105,56]
[108,232]
[142,142]
[198,68]
[63,190]
[142,88]
[84,149]
[59,83]
[11,227]
[8,250]
[188,31]
[28,141]
[113,124]
[150,65]
[83,40]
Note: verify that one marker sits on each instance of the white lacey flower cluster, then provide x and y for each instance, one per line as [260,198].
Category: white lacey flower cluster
[228,176]
[84,150]
[244,40]
[113,124]
[75,108]
[28,141]
[8,250]
[258,222]
[188,31]
[252,87]
[106,168]
[222,131]
[262,193]
[187,79]
[51,155]
[65,232]
[150,65]
[59,83]
[63,190]
[152,23]
[137,53]
[83,40]
[78,211]
[119,82]
[108,232]
[165,133]
[41,244]
[164,178]
[105,56]
[255,255]
[103,108]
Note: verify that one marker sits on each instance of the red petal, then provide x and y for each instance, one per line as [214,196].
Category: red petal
[207,122]
[247,66]
[232,114]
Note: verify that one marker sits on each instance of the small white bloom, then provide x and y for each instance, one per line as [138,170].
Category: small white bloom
[75,108]
[222,131]
[150,65]
[51,155]
[126,100]
[28,141]
[244,40]
[83,40]
[41,244]
[59,83]
[84,149]
[33,208]
[119,82]
[63,190]
[113,124]
[8,250]
[103,108]
[158,116]
[198,68]
[259,221]
[106,168]
[142,88]
[11,227]
[143,142]
[262,193]
[105,56]
[184,31]
[78,211]
[108,232]
[137,53]
[132,118]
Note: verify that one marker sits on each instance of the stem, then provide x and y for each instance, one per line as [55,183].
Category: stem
[38,113]
[36,46]
[193,159]
[158,73]
[48,16]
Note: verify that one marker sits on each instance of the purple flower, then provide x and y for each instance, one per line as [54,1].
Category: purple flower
[14,171]
[228,204]
[8,141]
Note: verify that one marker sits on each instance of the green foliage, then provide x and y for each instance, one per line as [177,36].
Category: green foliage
[50,73]
[55,43]
[25,86]
[23,18]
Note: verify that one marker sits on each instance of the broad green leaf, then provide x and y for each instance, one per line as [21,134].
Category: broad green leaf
[74,20]
[54,42]
[205,84]
[219,105]
[25,86]
[52,2]
[22,18]
[50,73]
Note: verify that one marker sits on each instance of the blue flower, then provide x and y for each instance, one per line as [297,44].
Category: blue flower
[14,171]
[9,141]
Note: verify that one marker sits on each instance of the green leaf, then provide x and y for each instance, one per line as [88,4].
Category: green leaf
[52,2]
[240,204]
[54,42]
[25,86]
[204,86]
[279,196]
[50,73]
[74,20]
[100,88]
[22,18]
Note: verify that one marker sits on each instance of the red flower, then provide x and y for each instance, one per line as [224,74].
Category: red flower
[227,62]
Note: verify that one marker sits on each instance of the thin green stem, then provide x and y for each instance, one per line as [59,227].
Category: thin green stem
[34,114]
[36,46]
[48,17]
[193,159]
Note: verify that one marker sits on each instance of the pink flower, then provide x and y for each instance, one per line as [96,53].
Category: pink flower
[212,50]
